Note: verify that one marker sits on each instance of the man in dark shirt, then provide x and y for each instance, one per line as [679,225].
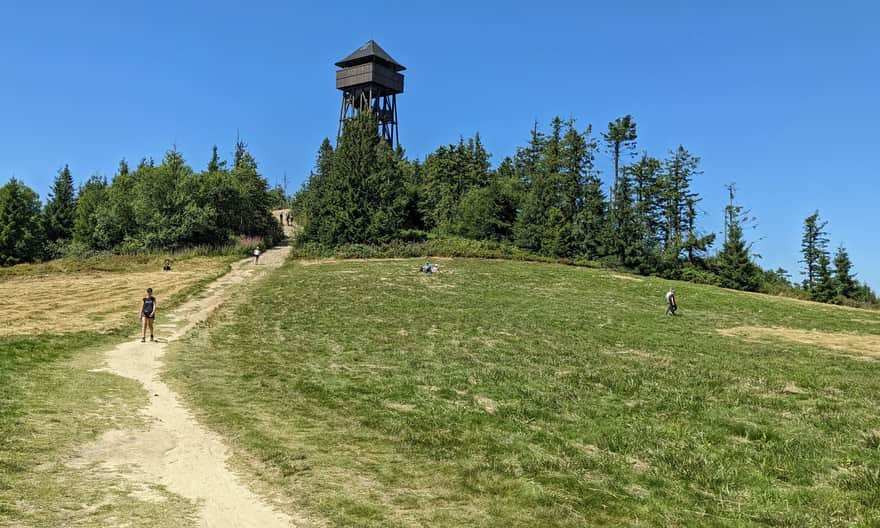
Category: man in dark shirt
[148,314]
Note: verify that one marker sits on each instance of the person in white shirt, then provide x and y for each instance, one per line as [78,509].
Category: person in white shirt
[257,255]
[671,305]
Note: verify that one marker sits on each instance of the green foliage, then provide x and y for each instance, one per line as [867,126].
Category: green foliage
[845,279]
[357,192]
[825,288]
[169,206]
[489,213]
[620,139]
[60,210]
[21,232]
[561,213]
[446,176]
[734,262]
[547,200]
[814,244]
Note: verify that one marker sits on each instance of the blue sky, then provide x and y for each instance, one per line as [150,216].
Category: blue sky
[780,97]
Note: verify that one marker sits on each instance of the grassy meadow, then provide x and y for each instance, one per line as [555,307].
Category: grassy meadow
[517,394]
[58,318]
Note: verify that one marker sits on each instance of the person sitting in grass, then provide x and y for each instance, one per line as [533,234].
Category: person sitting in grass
[148,314]
[426,267]
[671,305]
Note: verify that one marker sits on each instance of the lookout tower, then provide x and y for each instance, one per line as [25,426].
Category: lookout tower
[370,80]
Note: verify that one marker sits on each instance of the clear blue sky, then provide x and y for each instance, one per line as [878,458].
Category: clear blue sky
[780,97]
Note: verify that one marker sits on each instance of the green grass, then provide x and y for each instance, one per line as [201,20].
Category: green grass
[521,394]
[52,402]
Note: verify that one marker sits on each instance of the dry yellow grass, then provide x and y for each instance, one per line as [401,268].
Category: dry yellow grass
[862,344]
[93,300]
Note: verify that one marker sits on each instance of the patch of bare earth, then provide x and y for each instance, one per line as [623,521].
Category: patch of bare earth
[866,345]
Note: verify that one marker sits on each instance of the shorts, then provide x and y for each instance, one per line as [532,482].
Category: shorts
[149,316]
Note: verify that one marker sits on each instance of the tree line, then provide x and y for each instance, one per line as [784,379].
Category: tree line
[164,206]
[550,199]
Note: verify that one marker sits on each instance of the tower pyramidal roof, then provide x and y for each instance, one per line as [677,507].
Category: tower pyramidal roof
[370,52]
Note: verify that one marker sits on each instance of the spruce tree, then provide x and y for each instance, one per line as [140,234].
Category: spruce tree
[627,237]
[620,140]
[60,210]
[826,286]
[734,263]
[91,206]
[21,233]
[215,164]
[845,279]
[814,244]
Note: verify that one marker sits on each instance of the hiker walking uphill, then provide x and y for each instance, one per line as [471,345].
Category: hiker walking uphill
[148,314]
[671,304]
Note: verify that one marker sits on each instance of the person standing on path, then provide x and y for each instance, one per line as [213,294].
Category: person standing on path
[671,305]
[148,314]
[281,218]
[257,255]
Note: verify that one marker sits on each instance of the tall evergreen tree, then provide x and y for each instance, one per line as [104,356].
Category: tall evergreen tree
[21,234]
[215,164]
[826,286]
[627,237]
[360,195]
[620,140]
[547,221]
[845,279]
[678,231]
[814,244]
[92,207]
[734,263]
[60,210]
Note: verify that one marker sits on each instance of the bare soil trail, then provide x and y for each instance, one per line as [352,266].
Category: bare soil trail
[173,450]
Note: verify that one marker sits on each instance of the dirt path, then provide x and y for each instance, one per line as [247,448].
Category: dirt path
[175,451]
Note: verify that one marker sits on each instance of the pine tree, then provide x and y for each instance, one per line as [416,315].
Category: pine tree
[734,263]
[826,286]
[21,234]
[91,205]
[60,210]
[814,244]
[620,139]
[845,279]
[216,164]
[547,222]
[678,203]
[627,237]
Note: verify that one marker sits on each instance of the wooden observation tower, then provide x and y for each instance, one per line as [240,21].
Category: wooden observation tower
[370,80]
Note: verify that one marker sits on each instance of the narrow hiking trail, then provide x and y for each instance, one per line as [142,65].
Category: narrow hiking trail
[174,450]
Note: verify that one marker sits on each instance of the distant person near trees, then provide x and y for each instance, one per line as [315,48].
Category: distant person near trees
[671,304]
[148,314]
[257,253]
[281,218]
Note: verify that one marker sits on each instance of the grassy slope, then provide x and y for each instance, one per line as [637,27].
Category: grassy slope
[517,394]
[51,402]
